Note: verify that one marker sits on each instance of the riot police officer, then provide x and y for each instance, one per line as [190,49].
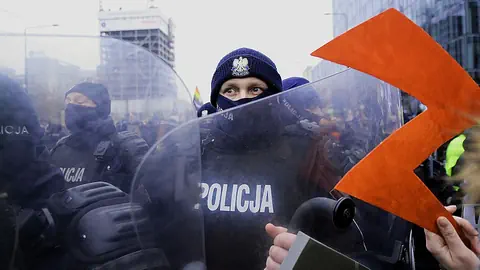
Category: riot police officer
[53,133]
[95,151]
[252,163]
[45,226]
[206,109]
[26,178]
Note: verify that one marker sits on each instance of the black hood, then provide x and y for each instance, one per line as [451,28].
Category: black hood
[97,93]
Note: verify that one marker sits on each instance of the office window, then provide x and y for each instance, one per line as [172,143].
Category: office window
[473,52]
[473,16]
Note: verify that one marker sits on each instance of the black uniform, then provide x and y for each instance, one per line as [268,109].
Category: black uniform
[25,173]
[26,178]
[247,184]
[253,172]
[95,151]
[52,135]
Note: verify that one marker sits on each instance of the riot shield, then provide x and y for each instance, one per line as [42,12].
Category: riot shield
[97,104]
[264,161]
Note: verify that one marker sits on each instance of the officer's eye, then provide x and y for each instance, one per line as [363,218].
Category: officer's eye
[228,92]
[257,90]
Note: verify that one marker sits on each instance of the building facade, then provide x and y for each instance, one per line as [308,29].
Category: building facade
[454,24]
[147,28]
[49,78]
[141,75]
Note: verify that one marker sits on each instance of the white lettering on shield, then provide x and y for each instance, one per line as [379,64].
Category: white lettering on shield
[291,109]
[73,175]
[238,198]
[13,130]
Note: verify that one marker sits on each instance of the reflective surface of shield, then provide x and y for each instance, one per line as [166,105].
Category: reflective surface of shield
[97,104]
[261,161]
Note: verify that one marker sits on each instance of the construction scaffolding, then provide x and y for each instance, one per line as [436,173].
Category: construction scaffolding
[137,76]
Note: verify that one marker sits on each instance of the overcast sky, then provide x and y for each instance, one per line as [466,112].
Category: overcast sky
[205,30]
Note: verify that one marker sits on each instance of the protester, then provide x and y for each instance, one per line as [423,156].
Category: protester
[449,249]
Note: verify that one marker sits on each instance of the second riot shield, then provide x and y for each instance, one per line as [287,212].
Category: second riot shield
[97,104]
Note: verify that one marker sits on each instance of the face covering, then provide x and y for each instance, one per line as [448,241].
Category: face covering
[251,125]
[224,103]
[77,117]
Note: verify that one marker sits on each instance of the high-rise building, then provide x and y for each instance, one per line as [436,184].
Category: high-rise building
[135,76]
[147,28]
[454,24]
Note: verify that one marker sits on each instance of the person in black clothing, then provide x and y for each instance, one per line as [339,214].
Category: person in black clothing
[43,225]
[297,114]
[122,125]
[95,151]
[206,109]
[250,165]
[53,133]
[26,178]
[257,156]
[25,173]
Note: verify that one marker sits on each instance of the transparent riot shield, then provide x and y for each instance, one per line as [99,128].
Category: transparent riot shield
[265,161]
[99,103]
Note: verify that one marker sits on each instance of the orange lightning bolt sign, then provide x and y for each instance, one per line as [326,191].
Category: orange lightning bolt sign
[392,48]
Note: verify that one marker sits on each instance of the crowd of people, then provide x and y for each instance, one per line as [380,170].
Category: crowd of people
[276,143]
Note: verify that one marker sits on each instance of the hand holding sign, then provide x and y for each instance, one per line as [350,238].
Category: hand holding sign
[448,249]
[395,50]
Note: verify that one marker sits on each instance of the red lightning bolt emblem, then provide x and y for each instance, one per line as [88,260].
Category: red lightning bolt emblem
[392,48]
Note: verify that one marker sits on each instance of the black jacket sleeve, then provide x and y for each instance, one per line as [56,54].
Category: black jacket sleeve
[36,184]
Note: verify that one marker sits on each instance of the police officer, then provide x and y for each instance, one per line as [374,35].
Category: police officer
[94,150]
[309,101]
[26,178]
[53,134]
[45,226]
[25,173]
[206,109]
[251,167]
[251,164]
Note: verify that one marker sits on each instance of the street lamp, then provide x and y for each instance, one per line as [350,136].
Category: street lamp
[345,16]
[25,36]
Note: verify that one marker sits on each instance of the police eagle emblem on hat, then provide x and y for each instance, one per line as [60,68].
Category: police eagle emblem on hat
[240,67]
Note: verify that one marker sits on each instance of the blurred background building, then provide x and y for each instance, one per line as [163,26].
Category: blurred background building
[454,24]
[138,74]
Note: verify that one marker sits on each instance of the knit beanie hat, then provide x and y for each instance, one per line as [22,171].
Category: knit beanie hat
[243,63]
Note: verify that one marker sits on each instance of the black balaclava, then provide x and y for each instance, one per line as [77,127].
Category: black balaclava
[89,124]
[80,118]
